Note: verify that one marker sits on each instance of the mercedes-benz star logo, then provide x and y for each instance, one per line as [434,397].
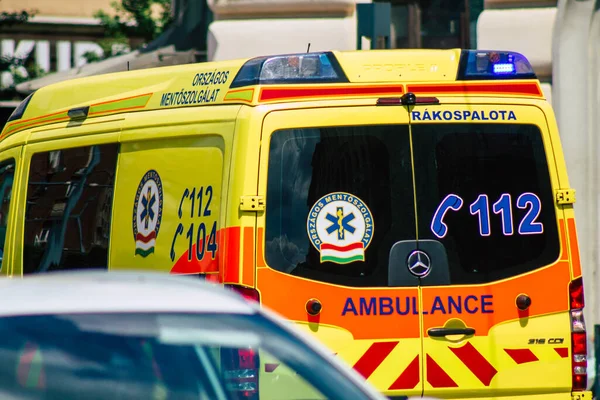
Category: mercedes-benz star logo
[419,263]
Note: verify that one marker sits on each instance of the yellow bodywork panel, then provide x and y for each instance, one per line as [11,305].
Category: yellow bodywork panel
[188,205]
[412,66]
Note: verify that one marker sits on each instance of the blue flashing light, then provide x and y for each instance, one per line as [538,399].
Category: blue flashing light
[290,68]
[490,65]
[506,68]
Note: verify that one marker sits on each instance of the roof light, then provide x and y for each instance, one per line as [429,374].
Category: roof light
[506,68]
[291,68]
[490,65]
[78,113]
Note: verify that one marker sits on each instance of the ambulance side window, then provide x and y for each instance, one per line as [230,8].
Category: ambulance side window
[69,206]
[7,173]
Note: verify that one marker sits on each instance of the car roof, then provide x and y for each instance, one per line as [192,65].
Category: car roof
[124,292]
[119,292]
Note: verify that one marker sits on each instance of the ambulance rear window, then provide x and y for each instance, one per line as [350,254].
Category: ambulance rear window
[339,199]
[507,223]
[371,163]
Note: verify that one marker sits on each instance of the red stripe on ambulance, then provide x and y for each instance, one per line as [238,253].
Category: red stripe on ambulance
[373,357]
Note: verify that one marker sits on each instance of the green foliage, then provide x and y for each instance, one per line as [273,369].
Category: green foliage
[8,18]
[13,18]
[21,68]
[132,18]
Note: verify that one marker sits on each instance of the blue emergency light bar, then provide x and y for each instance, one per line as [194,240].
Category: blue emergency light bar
[290,68]
[493,65]
[323,67]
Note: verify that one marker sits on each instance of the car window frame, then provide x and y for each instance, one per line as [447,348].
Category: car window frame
[10,247]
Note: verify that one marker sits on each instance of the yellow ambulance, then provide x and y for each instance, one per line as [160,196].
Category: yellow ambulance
[410,208]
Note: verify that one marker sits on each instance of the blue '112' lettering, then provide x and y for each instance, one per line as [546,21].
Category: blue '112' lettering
[528,225]
[481,208]
[450,202]
[197,235]
[503,207]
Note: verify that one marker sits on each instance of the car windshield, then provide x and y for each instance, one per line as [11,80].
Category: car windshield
[161,356]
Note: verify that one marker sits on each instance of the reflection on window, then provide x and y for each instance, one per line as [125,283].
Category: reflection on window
[369,162]
[148,356]
[69,204]
[7,173]
[501,162]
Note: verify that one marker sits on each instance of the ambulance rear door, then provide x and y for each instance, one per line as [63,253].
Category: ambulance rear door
[339,195]
[494,281]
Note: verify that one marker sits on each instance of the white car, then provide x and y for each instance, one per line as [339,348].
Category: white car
[98,335]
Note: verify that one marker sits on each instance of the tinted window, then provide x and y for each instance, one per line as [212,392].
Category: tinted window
[161,356]
[371,164]
[507,222]
[7,174]
[69,204]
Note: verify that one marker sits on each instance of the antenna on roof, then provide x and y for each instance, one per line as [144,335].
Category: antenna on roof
[308,50]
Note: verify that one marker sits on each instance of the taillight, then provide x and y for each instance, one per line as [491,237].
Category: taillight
[246,292]
[240,372]
[576,294]
[578,336]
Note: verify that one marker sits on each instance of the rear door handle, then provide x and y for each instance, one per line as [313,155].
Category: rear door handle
[441,332]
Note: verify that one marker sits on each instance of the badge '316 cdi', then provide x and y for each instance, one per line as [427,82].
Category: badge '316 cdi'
[147,213]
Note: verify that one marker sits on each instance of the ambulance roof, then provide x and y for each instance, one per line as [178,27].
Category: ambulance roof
[282,78]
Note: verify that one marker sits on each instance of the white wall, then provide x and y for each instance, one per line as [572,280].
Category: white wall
[231,39]
[528,31]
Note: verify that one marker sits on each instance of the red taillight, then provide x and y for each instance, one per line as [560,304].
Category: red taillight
[576,293]
[579,361]
[579,343]
[579,383]
[246,292]
[240,371]
[578,336]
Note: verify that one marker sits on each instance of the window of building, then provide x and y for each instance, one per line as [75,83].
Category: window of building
[434,24]
[69,204]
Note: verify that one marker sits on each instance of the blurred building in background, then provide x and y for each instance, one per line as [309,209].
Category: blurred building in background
[183,41]
[58,34]
[525,26]
[244,28]
[55,38]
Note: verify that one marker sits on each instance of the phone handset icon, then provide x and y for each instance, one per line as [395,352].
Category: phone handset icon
[450,202]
